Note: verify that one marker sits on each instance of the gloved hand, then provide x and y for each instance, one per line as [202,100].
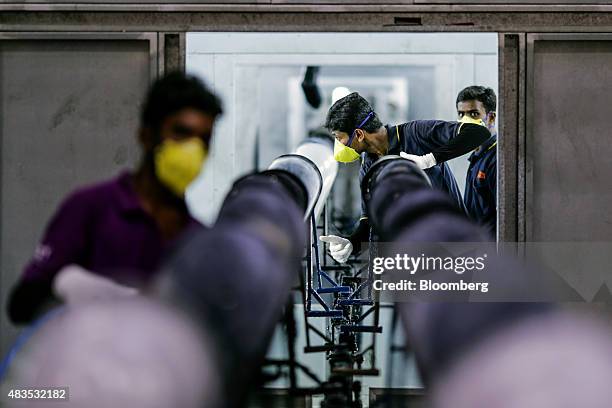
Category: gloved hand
[74,284]
[424,162]
[339,248]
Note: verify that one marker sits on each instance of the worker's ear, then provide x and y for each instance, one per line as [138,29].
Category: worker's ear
[492,118]
[360,135]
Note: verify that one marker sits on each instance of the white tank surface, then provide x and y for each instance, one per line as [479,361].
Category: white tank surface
[321,152]
[120,352]
[555,360]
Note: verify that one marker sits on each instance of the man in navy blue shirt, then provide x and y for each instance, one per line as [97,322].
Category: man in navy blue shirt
[478,102]
[359,133]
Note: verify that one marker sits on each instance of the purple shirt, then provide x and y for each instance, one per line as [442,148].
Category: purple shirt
[104,229]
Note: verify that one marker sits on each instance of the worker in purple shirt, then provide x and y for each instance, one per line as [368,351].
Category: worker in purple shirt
[120,229]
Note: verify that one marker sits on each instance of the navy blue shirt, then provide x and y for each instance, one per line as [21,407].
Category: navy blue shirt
[421,137]
[481,186]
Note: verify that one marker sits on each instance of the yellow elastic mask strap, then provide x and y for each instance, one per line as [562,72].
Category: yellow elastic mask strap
[344,154]
[178,163]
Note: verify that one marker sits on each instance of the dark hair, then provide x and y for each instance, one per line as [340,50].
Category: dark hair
[347,113]
[174,92]
[479,93]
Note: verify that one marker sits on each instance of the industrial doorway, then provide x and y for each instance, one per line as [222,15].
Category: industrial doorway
[259,76]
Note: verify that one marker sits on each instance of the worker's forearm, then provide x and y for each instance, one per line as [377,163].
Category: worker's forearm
[469,138]
[360,234]
[28,299]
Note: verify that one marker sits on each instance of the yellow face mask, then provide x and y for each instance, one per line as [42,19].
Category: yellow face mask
[178,163]
[343,153]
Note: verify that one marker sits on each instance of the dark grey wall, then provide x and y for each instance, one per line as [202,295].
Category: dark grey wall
[569,192]
[69,112]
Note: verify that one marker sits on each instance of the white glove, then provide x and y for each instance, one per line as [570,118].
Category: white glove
[339,248]
[424,162]
[74,284]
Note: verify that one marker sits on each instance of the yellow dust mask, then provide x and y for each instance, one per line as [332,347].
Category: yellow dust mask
[178,163]
[343,153]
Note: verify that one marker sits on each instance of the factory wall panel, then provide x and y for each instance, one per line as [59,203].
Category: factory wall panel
[69,107]
[568,189]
